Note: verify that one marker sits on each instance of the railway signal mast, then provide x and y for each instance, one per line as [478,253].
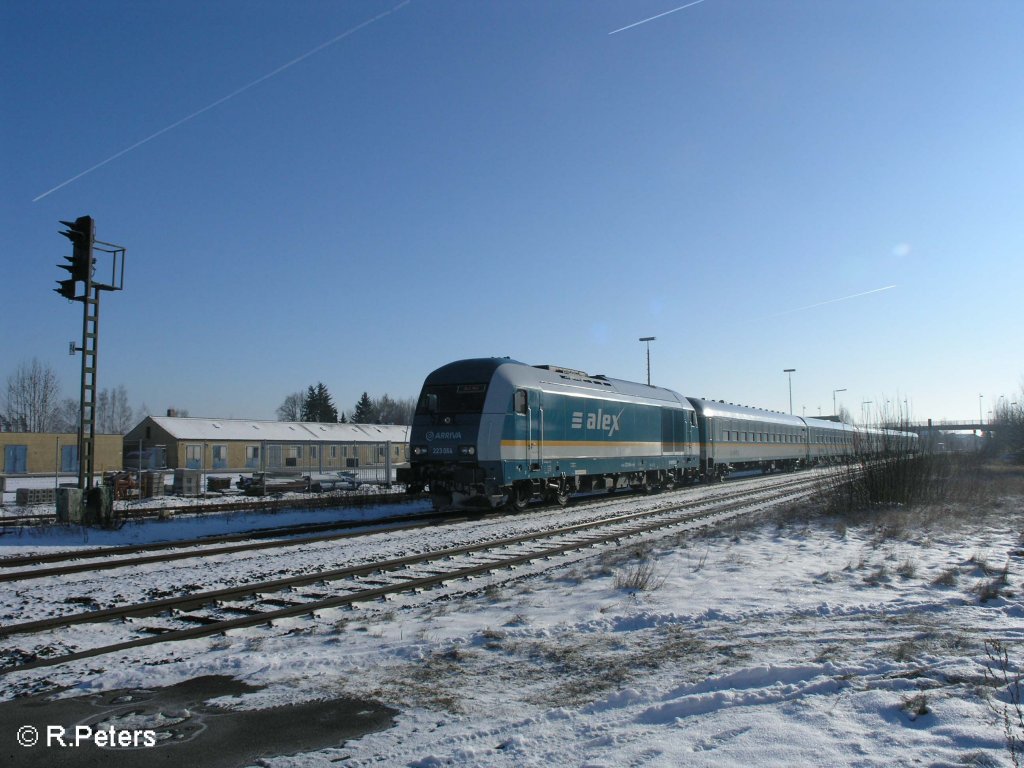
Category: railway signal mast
[82,270]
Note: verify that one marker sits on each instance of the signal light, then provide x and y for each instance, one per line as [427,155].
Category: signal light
[67,288]
[82,233]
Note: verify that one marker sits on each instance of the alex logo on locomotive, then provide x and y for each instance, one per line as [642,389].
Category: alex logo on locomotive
[606,422]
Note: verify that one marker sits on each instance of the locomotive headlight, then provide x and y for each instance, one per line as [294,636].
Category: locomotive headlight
[467,450]
[419,450]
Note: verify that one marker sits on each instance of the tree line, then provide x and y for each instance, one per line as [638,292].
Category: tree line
[33,403]
[316,404]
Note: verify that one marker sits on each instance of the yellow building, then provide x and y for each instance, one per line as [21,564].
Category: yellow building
[45,453]
[239,445]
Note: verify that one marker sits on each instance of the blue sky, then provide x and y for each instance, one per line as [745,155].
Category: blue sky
[460,179]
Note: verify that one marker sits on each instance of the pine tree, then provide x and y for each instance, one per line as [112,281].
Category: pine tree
[326,411]
[364,412]
[318,405]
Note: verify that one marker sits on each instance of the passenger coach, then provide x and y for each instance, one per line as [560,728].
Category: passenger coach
[495,431]
[737,437]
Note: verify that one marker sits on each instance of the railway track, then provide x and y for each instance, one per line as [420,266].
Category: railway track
[250,504]
[202,614]
[107,558]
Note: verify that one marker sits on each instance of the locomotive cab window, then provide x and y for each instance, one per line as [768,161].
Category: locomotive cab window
[521,401]
[452,398]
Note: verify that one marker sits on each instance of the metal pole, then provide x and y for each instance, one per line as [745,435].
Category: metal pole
[835,410]
[648,340]
[790,372]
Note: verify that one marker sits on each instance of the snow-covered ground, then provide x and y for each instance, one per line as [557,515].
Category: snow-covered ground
[794,641]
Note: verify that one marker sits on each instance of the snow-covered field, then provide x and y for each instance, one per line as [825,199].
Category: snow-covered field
[798,640]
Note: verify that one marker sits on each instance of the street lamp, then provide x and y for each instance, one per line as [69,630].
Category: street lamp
[981,419]
[864,410]
[790,372]
[648,340]
[835,411]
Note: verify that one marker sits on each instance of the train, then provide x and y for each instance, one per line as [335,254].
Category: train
[496,432]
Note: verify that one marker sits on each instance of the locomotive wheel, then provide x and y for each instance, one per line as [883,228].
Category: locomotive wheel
[560,497]
[520,496]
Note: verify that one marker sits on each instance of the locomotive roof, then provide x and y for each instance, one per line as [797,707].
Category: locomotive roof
[474,370]
[484,369]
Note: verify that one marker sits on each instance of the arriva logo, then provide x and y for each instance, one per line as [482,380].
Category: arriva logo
[443,436]
[606,422]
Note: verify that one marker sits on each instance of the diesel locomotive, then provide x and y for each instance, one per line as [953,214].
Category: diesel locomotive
[490,432]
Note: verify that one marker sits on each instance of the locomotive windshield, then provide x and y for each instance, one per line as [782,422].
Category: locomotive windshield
[452,398]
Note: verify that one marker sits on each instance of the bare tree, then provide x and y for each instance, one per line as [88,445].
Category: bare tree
[1008,422]
[67,416]
[31,402]
[291,408]
[390,411]
[113,414]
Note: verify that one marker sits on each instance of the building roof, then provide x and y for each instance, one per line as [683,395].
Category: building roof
[210,430]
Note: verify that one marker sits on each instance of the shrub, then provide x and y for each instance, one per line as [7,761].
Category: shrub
[638,577]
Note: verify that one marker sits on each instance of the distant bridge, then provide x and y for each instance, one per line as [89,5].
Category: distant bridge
[953,425]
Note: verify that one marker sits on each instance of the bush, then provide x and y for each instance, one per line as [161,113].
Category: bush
[902,479]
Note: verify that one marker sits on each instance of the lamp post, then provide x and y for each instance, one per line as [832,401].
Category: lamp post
[789,372]
[864,410]
[981,420]
[835,411]
[648,340]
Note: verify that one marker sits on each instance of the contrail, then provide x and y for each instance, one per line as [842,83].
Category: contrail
[222,99]
[666,13]
[833,301]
